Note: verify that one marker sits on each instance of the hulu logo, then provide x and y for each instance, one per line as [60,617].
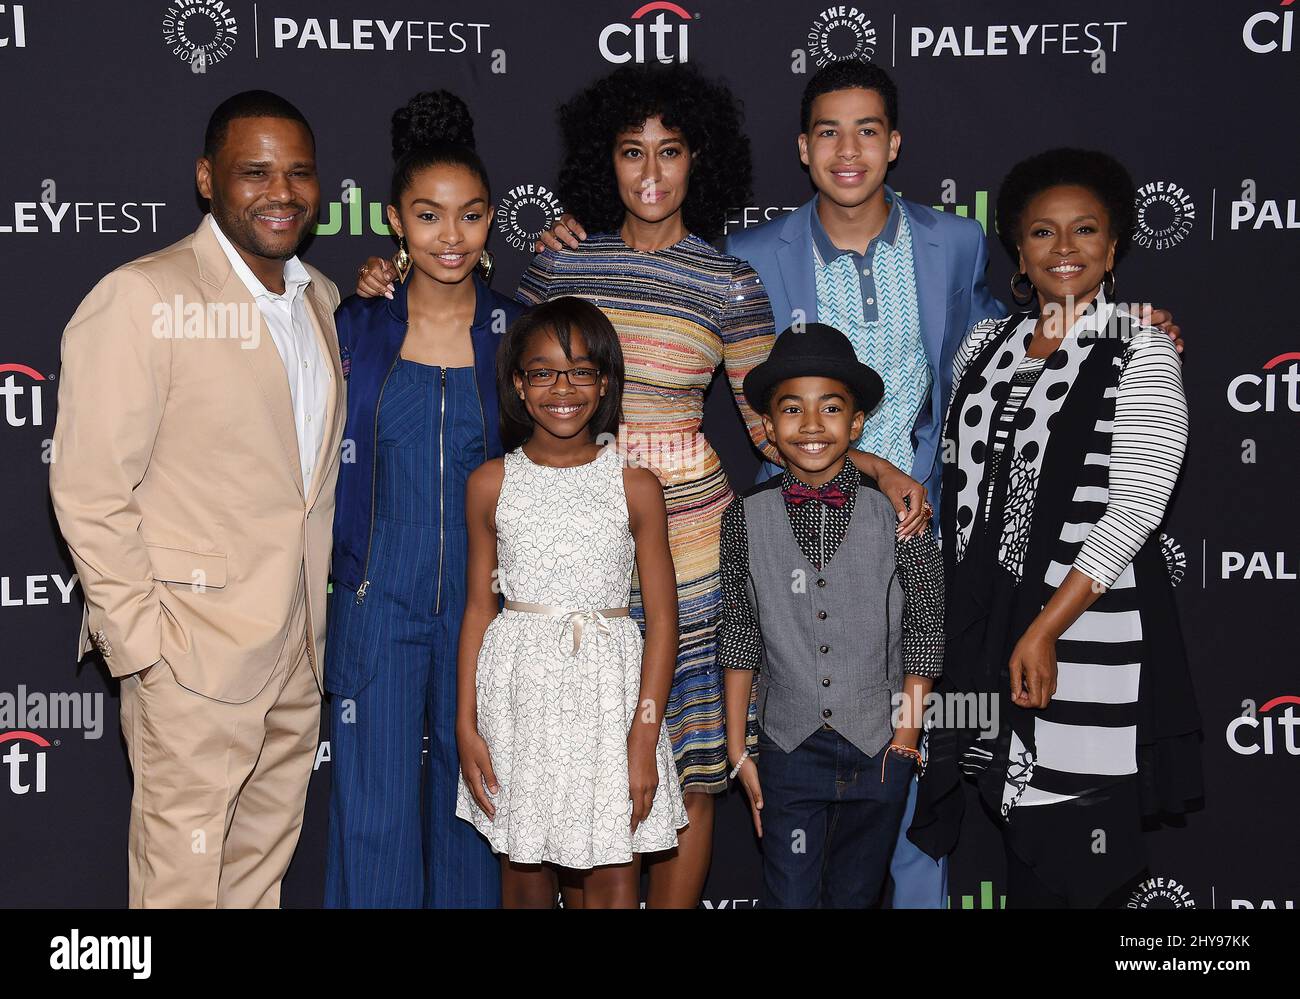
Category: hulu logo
[981,209]
[986,898]
[948,199]
[332,223]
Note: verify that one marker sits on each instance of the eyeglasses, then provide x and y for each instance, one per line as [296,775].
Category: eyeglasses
[541,377]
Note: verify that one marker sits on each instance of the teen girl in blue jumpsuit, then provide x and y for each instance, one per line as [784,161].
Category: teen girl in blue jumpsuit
[416,431]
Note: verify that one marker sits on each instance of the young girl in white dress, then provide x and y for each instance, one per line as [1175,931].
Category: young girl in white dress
[565,764]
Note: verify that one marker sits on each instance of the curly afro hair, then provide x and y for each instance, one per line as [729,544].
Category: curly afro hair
[433,128]
[1103,175]
[708,116]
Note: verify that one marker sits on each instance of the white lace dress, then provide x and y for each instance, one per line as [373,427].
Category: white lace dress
[557,723]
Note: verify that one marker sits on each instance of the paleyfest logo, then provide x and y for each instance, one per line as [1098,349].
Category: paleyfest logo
[620,43]
[1165,215]
[841,33]
[200,32]
[525,212]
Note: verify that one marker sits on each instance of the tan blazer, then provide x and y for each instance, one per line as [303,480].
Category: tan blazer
[175,474]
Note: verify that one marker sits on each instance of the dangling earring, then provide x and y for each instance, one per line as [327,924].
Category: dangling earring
[485,265]
[1017,279]
[403,260]
[1108,289]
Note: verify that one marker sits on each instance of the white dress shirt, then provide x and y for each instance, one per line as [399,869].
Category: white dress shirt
[295,338]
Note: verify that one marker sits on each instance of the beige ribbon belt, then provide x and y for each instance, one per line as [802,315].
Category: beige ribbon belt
[577,617]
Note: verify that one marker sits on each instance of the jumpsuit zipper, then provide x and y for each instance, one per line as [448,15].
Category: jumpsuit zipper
[477,394]
[374,471]
[442,527]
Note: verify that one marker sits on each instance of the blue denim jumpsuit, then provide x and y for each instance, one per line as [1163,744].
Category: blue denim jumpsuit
[394,839]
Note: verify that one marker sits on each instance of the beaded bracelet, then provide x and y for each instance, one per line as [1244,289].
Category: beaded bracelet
[912,754]
[743,757]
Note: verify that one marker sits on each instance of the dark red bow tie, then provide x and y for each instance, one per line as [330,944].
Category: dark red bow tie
[830,494]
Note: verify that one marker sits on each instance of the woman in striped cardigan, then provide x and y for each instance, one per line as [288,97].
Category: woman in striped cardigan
[1067,427]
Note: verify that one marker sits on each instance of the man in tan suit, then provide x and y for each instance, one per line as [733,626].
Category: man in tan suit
[196,452]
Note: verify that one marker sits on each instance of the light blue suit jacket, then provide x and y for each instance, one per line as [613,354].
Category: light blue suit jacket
[951,257]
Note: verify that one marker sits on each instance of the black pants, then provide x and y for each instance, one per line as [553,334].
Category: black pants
[1026,890]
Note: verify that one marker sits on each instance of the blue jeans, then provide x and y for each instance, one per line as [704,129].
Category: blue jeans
[829,822]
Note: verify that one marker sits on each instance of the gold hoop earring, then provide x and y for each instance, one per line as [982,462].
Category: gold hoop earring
[1017,279]
[403,260]
[485,265]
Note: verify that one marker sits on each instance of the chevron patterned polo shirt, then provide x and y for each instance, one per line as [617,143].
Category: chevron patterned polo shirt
[871,299]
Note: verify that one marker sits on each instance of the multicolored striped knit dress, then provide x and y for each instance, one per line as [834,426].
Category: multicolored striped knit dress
[679,312]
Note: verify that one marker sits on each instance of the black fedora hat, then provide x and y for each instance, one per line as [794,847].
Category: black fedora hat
[813,350]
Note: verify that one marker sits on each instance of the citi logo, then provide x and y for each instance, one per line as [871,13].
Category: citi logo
[23,402]
[670,37]
[1256,732]
[333,213]
[16,25]
[17,751]
[1250,393]
[1270,31]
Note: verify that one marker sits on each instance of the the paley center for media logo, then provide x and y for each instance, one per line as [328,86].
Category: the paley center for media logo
[525,212]
[1165,215]
[842,32]
[200,33]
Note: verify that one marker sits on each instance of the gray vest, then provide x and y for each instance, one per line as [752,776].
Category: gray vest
[832,640]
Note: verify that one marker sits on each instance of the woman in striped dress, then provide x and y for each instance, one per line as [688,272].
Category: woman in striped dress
[1068,424]
[681,308]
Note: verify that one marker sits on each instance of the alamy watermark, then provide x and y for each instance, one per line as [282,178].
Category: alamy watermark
[182,320]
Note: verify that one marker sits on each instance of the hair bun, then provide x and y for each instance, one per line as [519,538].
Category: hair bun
[431,118]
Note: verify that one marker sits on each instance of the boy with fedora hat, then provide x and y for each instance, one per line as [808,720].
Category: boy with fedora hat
[843,621]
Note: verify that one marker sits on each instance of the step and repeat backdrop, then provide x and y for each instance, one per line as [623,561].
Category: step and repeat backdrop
[102,119]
